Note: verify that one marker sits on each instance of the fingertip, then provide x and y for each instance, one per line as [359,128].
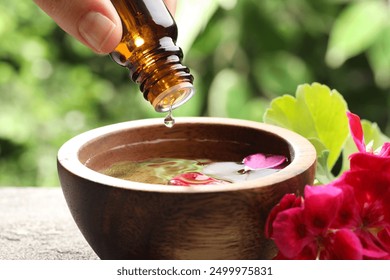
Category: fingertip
[111,41]
[94,23]
[100,30]
[113,37]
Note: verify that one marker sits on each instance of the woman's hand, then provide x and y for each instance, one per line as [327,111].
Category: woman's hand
[95,23]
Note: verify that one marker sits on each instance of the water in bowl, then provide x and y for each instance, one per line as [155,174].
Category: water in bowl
[163,170]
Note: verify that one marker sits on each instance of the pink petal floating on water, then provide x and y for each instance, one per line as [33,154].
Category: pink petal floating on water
[258,161]
[194,178]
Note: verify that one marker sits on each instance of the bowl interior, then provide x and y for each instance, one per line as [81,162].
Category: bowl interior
[216,139]
[186,140]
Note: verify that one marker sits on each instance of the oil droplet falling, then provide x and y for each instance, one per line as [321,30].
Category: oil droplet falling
[169,121]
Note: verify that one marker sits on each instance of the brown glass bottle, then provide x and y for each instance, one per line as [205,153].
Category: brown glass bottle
[148,49]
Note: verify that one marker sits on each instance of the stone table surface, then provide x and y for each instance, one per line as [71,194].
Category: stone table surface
[35,224]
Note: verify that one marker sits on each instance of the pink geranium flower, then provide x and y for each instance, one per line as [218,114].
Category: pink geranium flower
[346,219]
[370,198]
[306,232]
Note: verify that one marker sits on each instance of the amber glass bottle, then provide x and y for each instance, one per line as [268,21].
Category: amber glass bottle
[148,49]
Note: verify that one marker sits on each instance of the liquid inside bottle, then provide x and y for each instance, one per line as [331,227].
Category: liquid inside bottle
[148,49]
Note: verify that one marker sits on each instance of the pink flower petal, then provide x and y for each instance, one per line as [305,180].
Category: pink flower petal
[372,193]
[309,252]
[348,214]
[322,204]
[384,239]
[385,151]
[194,178]
[342,245]
[367,161]
[372,248]
[370,188]
[288,201]
[259,160]
[356,129]
[290,233]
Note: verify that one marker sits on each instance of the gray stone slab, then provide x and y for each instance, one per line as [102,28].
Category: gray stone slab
[35,224]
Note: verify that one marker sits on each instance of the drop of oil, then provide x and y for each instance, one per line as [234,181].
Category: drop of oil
[169,121]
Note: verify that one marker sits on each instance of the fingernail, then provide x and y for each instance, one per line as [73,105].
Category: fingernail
[96,29]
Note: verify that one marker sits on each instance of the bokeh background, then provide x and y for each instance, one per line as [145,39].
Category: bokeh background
[242,53]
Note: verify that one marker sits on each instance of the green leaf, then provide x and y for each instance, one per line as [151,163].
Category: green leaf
[318,145]
[373,133]
[356,29]
[316,112]
[323,174]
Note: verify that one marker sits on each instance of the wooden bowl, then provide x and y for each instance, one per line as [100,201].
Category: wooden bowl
[128,220]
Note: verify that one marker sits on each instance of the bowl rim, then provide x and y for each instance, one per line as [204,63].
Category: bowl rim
[304,156]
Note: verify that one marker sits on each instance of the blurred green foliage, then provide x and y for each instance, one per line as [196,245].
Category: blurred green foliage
[244,54]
